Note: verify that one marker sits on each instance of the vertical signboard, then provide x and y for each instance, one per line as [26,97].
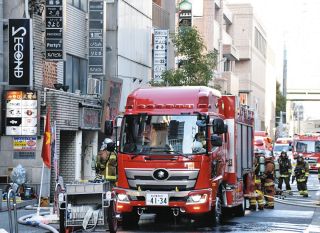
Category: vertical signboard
[19,52]
[96,38]
[160,53]
[21,112]
[54,29]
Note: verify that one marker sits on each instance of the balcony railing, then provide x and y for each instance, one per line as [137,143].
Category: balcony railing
[160,17]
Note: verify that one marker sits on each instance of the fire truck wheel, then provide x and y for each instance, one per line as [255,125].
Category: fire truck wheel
[62,227]
[111,218]
[240,209]
[130,220]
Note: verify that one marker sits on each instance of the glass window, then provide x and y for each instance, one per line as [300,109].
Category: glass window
[80,4]
[68,72]
[305,146]
[76,74]
[162,134]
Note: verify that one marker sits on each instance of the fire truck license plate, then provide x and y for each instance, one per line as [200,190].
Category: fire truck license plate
[157,199]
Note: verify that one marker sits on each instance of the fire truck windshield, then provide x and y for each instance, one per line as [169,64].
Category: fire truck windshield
[307,146]
[162,134]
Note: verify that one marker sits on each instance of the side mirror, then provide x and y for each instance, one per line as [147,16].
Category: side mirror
[218,126]
[108,128]
[216,140]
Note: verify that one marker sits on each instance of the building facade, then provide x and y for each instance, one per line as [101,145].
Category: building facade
[79,100]
[250,39]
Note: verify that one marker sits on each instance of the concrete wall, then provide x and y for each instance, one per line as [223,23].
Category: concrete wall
[134,44]
[251,69]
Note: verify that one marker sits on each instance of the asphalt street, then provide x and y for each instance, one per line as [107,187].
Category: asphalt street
[291,217]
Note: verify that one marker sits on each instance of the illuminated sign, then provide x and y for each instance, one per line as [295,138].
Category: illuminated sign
[21,112]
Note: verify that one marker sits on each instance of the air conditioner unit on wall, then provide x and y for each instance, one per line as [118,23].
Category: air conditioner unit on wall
[94,86]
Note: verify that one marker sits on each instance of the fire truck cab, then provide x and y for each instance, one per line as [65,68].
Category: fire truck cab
[309,146]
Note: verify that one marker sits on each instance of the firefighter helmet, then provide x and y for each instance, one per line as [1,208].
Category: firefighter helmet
[284,153]
[300,157]
[108,145]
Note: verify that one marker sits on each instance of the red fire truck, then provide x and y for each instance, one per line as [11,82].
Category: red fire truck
[309,146]
[186,150]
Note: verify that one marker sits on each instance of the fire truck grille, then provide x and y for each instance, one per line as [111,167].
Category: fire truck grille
[162,179]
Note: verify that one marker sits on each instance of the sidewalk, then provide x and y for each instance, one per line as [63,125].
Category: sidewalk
[20,204]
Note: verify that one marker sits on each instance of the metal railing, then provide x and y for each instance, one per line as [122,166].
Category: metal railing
[14,203]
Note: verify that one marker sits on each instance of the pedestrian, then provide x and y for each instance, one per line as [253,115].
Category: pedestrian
[285,168]
[258,171]
[106,164]
[301,173]
[319,174]
[268,181]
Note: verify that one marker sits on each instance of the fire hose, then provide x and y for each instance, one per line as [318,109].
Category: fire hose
[316,204]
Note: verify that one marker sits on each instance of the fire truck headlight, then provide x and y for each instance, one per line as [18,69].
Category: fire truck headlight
[123,197]
[197,198]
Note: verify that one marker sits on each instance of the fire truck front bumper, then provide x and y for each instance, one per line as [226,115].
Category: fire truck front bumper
[189,202]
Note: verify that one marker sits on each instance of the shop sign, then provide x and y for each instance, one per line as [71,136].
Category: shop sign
[54,30]
[24,143]
[21,113]
[19,52]
[96,37]
[90,118]
[160,53]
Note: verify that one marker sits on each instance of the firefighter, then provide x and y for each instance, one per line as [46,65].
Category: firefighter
[258,171]
[268,181]
[285,168]
[106,164]
[301,173]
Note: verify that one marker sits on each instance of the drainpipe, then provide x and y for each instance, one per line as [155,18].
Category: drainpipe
[26,9]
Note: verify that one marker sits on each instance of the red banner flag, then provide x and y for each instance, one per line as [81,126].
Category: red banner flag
[46,146]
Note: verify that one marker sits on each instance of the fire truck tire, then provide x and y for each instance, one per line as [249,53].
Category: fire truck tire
[111,218]
[62,227]
[240,209]
[130,220]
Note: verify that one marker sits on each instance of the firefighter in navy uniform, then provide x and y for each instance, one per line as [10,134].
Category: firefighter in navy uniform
[301,173]
[268,181]
[106,164]
[258,171]
[285,168]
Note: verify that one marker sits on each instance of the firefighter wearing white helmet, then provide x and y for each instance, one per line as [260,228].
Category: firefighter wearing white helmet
[106,164]
[301,173]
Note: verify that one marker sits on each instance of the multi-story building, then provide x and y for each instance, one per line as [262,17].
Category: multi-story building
[250,39]
[79,100]
[214,22]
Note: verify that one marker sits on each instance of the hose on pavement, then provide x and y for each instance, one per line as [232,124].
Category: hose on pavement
[23,220]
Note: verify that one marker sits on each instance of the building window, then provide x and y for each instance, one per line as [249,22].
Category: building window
[260,42]
[227,65]
[76,74]
[80,4]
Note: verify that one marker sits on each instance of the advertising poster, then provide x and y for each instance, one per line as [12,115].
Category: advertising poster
[21,112]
